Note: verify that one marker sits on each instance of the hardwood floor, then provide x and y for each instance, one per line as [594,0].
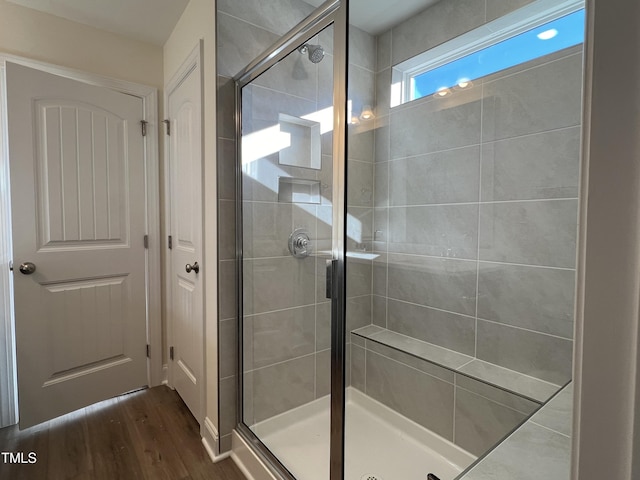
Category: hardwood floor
[148,434]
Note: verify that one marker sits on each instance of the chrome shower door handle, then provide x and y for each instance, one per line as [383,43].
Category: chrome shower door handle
[27,268]
[195,267]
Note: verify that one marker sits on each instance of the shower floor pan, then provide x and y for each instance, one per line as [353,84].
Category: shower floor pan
[380,443]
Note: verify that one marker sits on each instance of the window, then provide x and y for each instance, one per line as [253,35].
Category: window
[512,40]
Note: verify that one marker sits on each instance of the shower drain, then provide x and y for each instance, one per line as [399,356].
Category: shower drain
[370,476]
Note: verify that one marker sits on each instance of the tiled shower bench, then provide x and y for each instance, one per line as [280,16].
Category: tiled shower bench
[468,401]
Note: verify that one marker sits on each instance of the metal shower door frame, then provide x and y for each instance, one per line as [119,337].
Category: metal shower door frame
[332,12]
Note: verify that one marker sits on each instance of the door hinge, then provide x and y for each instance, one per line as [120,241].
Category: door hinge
[168,124]
[170,242]
[143,123]
[171,353]
[148,351]
[146,241]
[11,265]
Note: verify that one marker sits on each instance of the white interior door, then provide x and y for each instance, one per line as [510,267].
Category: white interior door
[78,215]
[185,140]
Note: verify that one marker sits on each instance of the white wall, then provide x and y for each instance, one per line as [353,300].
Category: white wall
[38,36]
[199,22]
[51,39]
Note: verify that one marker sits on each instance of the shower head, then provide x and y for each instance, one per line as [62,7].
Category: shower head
[315,52]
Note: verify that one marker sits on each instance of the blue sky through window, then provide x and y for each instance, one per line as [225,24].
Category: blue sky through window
[551,37]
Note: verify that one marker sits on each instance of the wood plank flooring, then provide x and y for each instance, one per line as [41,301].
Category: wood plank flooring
[148,434]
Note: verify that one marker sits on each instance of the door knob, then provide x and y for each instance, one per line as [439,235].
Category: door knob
[27,268]
[188,267]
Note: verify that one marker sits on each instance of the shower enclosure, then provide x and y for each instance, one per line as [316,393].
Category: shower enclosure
[406,233]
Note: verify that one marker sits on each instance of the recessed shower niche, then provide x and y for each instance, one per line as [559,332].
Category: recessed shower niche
[302,140]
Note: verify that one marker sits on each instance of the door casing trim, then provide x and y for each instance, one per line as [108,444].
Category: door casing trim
[149,97]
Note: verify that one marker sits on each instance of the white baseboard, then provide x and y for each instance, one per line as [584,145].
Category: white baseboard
[211,441]
[165,374]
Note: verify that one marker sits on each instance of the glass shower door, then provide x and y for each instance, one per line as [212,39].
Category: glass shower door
[286,218]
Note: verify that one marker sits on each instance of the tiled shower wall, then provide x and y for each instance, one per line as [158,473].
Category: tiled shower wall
[298,354]
[472,199]
[245,28]
[476,203]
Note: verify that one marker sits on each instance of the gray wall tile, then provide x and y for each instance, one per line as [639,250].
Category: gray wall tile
[544,98]
[362,48]
[227,235]
[225,443]
[276,337]
[435,25]
[358,367]
[228,401]
[379,311]
[416,395]
[359,227]
[323,373]
[228,342]
[383,139]
[383,92]
[558,413]
[226,107]
[383,51]
[294,74]
[360,191]
[448,330]
[323,325]
[360,143]
[277,16]
[266,106]
[361,88]
[239,43]
[432,125]
[544,165]
[380,275]
[226,169]
[359,277]
[442,283]
[227,292]
[481,423]
[260,178]
[278,283]
[499,8]
[533,233]
[440,230]
[535,298]
[284,386]
[381,232]
[381,184]
[513,458]
[540,356]
[444,177]
[411,361]
[266,229]
[495,394]
[325,82]
[358,312]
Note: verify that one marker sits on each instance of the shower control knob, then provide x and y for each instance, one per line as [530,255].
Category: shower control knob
[299,243]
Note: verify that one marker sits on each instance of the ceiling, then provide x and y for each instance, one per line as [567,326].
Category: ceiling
[150,21]
[377,16]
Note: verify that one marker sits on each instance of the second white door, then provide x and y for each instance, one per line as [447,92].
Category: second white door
[186,278]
